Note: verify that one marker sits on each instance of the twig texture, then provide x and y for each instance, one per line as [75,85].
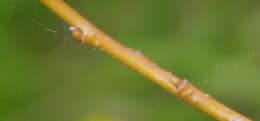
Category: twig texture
[87,33]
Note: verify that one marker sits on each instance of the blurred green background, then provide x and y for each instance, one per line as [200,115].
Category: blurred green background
[46,75]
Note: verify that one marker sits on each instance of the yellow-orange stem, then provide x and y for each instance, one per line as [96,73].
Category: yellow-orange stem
[83,30]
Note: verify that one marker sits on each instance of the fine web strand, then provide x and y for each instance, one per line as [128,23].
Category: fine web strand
[8,14]
[218,70]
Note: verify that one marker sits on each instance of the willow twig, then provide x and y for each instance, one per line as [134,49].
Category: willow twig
[83,30]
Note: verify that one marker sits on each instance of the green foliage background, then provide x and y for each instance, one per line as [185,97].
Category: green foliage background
[46,75]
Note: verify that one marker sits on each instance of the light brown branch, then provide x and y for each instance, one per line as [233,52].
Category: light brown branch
[87,33]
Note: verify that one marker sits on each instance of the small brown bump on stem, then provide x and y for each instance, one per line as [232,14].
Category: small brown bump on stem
[138,53]
[186,93]
[83,33]
[196,99]
[86,32]
[76,33]
[206,95]
[181,85]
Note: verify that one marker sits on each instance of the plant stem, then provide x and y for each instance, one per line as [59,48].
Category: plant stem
[83,30]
